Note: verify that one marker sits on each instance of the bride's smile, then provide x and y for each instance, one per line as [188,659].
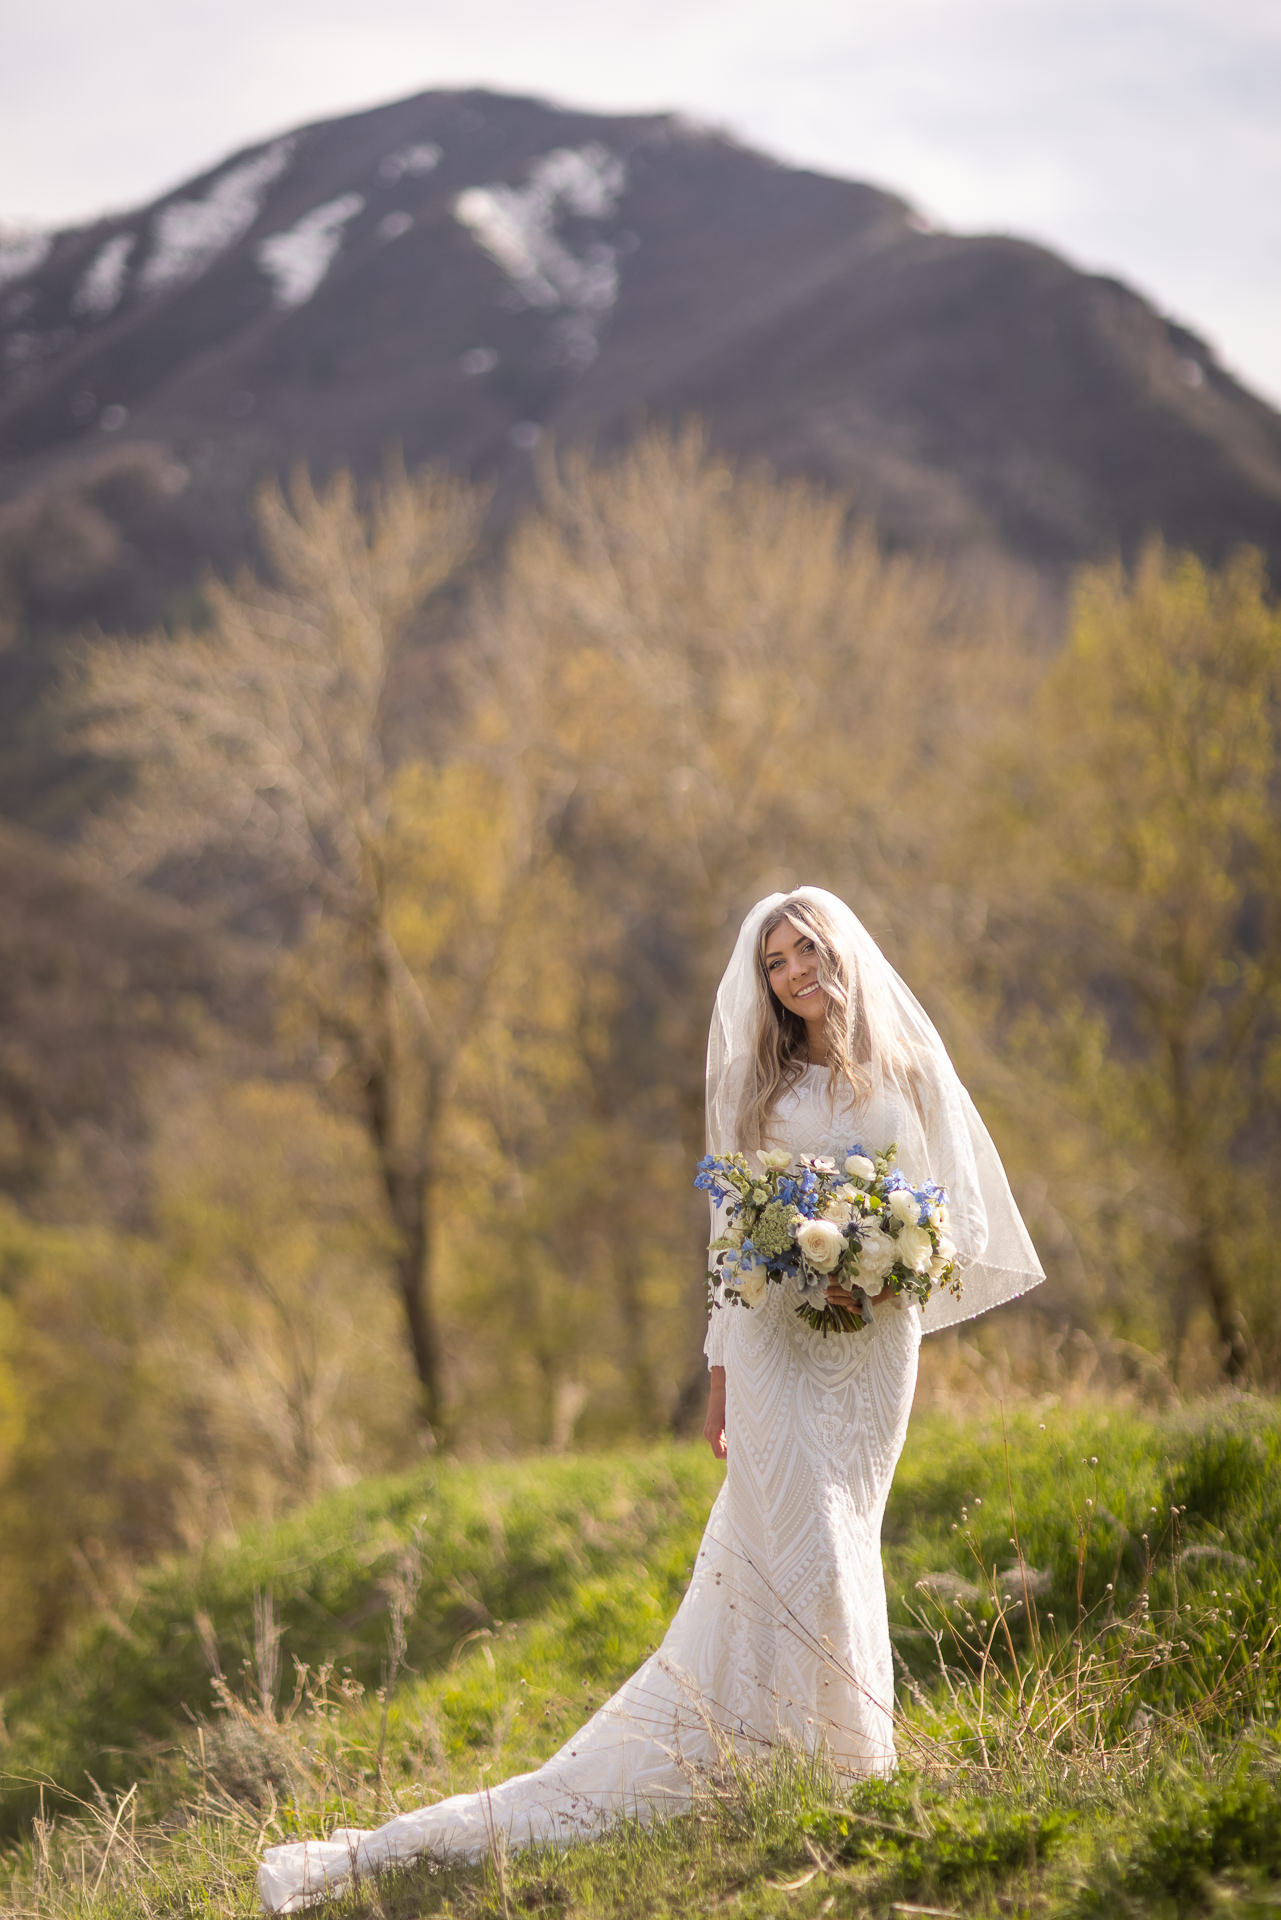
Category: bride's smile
[791,967]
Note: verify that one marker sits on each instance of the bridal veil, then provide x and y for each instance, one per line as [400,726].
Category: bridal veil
[907,1066]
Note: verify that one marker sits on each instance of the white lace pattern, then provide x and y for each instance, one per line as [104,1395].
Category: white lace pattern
[783,1629]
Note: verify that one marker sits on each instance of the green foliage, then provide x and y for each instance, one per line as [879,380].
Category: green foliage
[90,1427]
[1132,847]
[1206,1839]
[963,1844]
[275,1312]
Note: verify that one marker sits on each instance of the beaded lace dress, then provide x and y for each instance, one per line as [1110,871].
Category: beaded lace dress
[783,1629]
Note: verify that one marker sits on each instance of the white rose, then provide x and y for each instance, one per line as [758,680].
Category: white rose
[859,1167]
[877,1254]
[752,1287]
[822,1244]
[915,1249]
[839,1212]
[775,1159]
[905,1206]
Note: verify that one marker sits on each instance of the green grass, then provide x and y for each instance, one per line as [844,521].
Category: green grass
[1087,1730]
[494,1545]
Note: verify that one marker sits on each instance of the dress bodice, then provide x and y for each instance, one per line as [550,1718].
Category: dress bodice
[818,1116]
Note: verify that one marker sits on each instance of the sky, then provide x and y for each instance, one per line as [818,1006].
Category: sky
[1141,138]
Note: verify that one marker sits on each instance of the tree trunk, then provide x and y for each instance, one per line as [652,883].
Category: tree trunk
[631,1309]
[413,1285]
[686,1417]
[410,1199]
[405,1170]
[1221,1297]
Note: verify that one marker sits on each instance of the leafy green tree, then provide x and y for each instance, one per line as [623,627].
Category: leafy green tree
[89,1429]
[1139,826]
[278,1321]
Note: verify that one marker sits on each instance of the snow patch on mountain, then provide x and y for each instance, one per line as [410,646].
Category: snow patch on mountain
[393,225]
[519,228]
[187,236]
[421,158]
[297,260]
[24,350]
[103,281]
[21,348]
[21,254]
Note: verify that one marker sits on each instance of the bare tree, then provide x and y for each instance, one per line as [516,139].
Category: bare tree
[260,737]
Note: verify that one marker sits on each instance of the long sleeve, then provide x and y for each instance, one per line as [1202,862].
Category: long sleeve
[714,1343]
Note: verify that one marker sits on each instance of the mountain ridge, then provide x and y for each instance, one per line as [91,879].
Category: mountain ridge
[464,274]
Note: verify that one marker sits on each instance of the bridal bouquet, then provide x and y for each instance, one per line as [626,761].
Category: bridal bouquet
[861,1224]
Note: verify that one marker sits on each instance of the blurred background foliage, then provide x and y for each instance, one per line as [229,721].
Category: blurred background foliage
[357,1118]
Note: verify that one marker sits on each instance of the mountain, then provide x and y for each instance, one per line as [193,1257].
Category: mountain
[460,274]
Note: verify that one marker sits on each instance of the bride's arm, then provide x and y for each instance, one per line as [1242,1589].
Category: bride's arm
[714,1425]
[714,1348]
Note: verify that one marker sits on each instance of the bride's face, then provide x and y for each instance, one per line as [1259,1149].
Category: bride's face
[791,967]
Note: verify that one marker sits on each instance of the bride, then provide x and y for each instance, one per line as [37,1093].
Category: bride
[815,1046]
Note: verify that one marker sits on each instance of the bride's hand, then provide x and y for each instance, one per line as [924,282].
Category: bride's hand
[838,1296]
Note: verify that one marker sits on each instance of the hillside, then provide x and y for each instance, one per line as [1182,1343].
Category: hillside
[468,276]
[1126,1764]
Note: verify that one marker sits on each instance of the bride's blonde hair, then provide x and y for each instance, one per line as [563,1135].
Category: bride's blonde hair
[780,1051]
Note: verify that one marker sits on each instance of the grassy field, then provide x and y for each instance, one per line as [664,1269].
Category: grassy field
[1084,1609]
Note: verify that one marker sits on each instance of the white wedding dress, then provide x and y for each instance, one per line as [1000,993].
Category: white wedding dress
[783,1630]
